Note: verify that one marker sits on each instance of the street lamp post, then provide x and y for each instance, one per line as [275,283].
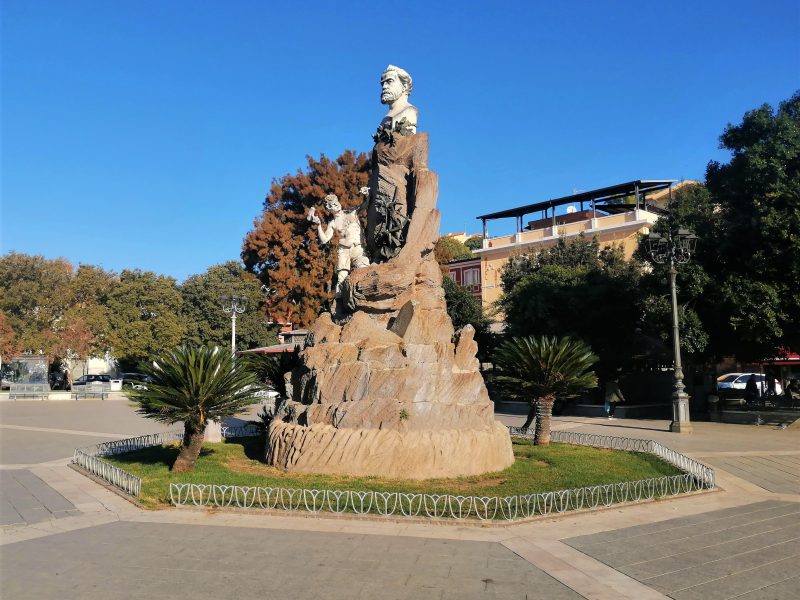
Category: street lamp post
[675,248]
[233,305]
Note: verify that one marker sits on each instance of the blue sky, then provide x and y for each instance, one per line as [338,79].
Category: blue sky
[145,134]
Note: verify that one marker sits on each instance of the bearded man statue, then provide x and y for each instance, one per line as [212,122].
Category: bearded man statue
[394,157]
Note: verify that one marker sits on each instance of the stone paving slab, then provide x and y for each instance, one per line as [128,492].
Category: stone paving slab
[26,499]
[748,551]
[788,588]
[779,474]
[147,560]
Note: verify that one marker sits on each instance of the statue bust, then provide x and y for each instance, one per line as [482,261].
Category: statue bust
[396,86]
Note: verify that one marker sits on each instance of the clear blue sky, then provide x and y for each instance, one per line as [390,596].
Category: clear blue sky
[146,133]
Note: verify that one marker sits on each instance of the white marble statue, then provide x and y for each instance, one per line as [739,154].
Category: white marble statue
[396,86]
[350,250]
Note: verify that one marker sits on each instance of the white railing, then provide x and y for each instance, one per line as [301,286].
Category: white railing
[441,506]
[695,477]
[676,459]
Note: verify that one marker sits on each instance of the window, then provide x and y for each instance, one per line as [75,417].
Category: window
[472,277]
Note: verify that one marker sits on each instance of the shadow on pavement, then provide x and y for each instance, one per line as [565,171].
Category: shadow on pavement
[615,423]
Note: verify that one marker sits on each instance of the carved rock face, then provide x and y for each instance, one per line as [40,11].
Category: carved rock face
[392,89]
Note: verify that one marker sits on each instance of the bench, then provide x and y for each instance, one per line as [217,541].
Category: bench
[94,389]
[28,390]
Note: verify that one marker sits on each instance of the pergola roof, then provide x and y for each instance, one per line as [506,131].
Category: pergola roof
[602,198]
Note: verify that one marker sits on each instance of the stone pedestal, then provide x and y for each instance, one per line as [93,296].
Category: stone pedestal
[213,433]
[391,389]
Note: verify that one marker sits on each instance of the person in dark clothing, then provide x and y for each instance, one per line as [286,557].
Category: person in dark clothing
[751,390]
[613,396]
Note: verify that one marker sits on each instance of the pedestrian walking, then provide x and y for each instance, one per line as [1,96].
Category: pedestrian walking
[751,391]
[613,396]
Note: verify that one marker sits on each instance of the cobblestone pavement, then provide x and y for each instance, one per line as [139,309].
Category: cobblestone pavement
[148,561]
[748,552]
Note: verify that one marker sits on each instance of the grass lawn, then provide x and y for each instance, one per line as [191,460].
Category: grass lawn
[536,469]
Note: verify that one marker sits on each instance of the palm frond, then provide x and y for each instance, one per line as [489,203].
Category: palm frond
[193,384]
[271,369]
[546,366]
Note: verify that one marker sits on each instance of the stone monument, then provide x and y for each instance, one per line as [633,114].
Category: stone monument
[384,385]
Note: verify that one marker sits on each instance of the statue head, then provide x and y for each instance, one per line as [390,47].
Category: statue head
[395,82]
[332,203]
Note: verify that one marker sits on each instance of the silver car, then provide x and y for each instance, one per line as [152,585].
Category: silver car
[734,384]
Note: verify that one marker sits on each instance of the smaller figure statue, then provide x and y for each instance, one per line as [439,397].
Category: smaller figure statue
[350,251]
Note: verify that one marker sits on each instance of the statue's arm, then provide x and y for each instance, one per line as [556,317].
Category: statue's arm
[325,233]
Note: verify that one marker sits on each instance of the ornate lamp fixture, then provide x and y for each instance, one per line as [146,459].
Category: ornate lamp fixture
[233,305]
[676,248]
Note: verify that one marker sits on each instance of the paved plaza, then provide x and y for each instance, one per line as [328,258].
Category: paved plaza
[64,536]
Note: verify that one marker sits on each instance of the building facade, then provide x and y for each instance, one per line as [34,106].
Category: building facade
[467,274]
[616,215]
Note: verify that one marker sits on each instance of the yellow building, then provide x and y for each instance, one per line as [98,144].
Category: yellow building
[616,215]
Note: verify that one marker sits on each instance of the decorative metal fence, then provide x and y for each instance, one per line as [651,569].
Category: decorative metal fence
[484,508]
[90,458]
[688,465]
[695,477]
[237,431]
[130,484]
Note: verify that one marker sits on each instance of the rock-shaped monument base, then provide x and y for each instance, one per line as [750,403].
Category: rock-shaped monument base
[385,386]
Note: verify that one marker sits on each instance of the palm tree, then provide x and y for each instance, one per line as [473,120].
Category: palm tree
[271,369]
[193,384]
[541,368]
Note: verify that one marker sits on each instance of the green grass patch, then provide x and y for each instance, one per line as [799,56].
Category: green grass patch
[536,469]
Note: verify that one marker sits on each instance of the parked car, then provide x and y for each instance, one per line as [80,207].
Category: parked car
[84,379]
[732,385]
[136,380]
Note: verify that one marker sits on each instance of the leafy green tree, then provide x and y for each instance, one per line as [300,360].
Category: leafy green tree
[448,249]
[208,325]
[757,235]
[283,250]
[8,341]
[87,302]
[74,342]
[192,385]
[575,289]
[690,208]
[465,309]
[270,369]
[475,242]
[32,295]
[145,313]
[541,368]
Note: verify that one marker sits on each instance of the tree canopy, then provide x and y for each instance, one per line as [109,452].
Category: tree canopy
[69,314]
[208,325]
[739,293]
[448,249]
[474,242]
[575,289]
[757,236]
[145,314]
[283,250]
